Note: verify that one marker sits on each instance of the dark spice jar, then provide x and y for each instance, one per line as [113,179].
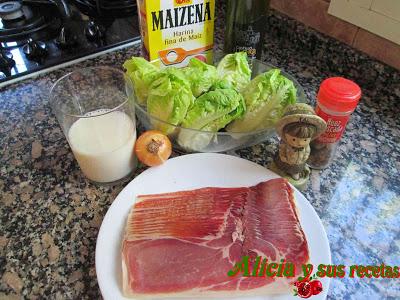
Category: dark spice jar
[337,98]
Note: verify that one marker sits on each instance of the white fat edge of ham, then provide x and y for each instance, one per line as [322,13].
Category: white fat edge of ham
[279,286]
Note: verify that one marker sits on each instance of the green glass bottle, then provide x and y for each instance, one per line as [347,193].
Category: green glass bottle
[245,26]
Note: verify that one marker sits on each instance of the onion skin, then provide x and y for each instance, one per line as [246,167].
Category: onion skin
[153,148]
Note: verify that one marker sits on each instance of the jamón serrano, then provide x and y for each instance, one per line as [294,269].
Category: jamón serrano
[183,244]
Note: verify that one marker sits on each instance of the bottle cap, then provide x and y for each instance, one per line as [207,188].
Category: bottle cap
[339,94]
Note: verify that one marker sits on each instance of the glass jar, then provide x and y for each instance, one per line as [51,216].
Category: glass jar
[337,99]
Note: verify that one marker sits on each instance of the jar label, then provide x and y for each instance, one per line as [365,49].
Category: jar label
[335,126]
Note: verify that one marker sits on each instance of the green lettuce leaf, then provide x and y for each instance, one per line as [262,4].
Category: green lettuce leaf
[142,74]
[219,106]
[266,96]
[210,112]
[221,84]
[235,69]
[169,98]
[200,75]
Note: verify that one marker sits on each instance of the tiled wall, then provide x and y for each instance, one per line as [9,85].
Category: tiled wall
[381,17]
[314,13]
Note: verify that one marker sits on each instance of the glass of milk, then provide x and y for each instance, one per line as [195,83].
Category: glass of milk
[98,120]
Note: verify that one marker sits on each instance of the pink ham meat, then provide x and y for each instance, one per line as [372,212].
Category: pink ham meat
[183,244]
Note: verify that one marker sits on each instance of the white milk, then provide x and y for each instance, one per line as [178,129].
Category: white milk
[103,145]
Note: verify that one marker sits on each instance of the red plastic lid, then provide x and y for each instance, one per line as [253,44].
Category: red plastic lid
[339,94]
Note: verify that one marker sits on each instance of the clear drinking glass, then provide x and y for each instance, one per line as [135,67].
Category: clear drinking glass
[98,121]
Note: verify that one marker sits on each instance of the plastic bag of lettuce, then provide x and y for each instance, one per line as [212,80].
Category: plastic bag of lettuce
[209,98]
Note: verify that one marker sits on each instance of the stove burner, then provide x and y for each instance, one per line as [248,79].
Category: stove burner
[6,62]
[37,35]
[22,21]
[11,10]
[35,50]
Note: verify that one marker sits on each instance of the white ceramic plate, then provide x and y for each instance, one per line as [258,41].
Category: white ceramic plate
[190,172]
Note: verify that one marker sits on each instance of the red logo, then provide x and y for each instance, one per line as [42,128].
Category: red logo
[179,2]
[307,287]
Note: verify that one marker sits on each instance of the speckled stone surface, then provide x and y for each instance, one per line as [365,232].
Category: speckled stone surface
[50,214]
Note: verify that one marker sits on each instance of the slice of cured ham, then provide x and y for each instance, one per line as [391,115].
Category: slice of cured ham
[183,244]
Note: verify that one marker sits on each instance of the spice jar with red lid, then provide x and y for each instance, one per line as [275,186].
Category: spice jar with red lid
[337,98]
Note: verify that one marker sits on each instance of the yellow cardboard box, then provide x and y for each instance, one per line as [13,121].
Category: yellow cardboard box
[173,31]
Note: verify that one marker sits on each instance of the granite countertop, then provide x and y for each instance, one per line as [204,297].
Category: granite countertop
[50,214]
